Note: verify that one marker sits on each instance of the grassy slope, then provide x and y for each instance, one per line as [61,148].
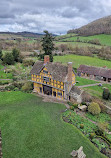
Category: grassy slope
[4,75]
[78,60]
[104,39]
[32,128]
[97,91]
[79,44]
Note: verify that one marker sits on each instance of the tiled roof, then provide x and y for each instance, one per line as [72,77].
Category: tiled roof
[57,70]
[37,67]
[97,71]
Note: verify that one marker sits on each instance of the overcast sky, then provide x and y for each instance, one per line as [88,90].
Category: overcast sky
[56,16]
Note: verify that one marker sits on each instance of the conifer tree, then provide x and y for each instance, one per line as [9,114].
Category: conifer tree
[47,44]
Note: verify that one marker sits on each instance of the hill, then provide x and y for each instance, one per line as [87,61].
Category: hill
[20,34]
[100,26]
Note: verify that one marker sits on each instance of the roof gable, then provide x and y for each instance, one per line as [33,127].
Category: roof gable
[92,70]
[37,67]
[57,70]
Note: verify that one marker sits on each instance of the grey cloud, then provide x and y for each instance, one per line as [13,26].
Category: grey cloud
[53,15]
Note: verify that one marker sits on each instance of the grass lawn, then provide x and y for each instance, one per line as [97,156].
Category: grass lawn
[104,39]
[97,90]
[34,129]
[83,81]
[78,60]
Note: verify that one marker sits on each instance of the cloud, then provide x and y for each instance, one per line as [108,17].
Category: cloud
[54,16]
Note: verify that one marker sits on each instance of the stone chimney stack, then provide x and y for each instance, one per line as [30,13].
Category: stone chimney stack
[69,79]
[46,59]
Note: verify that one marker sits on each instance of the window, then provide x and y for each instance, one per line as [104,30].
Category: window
[59,94]
[45,72]
[46,79]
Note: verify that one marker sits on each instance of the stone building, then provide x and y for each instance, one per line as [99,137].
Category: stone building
[53,79]
[97,73]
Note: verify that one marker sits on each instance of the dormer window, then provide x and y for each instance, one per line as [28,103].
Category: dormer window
[45,72]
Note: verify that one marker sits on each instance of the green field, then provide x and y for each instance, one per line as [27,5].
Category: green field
[65,36]
[79,44]
[104,39]
[34,129]
[85,60]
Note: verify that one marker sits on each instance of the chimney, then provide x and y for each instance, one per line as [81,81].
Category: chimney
[46,59]
[69,73]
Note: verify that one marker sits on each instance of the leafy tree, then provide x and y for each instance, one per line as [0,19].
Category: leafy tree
[16,54]
[106,93]
[27,87]
[8,59]
[94,108]
[47,44]
[1,54]
[110,96]
[102,126]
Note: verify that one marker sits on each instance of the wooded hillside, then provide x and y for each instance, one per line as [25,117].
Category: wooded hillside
[100,26]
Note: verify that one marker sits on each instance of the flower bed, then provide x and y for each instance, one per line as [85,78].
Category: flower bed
[75,119]
[88,128]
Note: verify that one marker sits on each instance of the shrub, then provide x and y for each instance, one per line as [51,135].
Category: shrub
[1,54]
[75,105]
[71,108]
[8,59]
[70,113]
[27,87]
[103,108]
[16,54]
[110,96]
[92,135]
[18,84]
[3,83]
[106,93]
[86,97]
[83,103]
[102,126]
[16,89]
[70,103]
[81,126]
[94,108]
[99,132]
[10,87]
[101,104]
[28,62]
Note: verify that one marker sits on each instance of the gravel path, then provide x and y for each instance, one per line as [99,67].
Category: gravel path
[89,85]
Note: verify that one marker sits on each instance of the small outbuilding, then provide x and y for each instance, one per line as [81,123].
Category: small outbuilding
[97,73]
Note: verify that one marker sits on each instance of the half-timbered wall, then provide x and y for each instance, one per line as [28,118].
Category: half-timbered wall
[45,78]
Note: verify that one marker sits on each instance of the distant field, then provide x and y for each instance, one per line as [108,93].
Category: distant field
[104,39]
[65,36]
[78,60]
[79,44]
[5,36]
